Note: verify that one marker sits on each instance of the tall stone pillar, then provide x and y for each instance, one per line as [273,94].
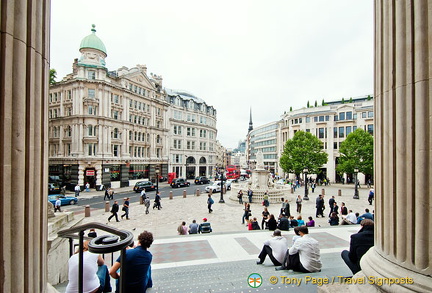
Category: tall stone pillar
[24,79]
[403,137]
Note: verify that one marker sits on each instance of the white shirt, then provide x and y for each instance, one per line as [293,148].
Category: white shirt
[90,278]
[58,203]
[351,217]
[77,188]
[143,192]
[308,249]
[279,246]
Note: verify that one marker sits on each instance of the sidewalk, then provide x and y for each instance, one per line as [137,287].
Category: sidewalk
[231,247]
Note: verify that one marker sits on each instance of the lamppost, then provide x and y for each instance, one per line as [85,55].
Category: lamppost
[305,172]
[221,200]
[157,179]
[356,193]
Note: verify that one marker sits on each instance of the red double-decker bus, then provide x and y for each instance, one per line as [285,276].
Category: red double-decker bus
[232,172]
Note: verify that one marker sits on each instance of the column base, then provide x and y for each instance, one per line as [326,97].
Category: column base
[380,272]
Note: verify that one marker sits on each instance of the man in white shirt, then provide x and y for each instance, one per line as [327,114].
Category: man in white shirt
[304,255]
[77,190]
[350,219]
[275,248]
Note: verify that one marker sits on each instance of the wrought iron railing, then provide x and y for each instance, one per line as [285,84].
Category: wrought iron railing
[118,241]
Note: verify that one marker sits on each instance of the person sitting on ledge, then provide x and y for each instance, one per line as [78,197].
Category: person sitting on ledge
[275,248]
[304,254]
[205,227]
[359,245]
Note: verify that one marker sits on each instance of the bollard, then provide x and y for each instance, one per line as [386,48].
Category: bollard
[107,206]
[184,193]
[141,200]
[170,195]
[87,211]
[339,192]
[197,192]
[292,189]
[323,191]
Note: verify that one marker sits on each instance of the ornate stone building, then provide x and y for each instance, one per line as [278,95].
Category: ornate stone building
[106,127]
[192,142]
[331,123]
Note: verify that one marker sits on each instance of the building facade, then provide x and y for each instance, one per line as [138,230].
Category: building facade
[106,127]
[265,139]
[192,141]
[331,123]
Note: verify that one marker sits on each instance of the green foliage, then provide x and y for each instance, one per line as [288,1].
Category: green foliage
[356,151]
[53,76]
[351,100]
[322,103]
[369,97]
[290,109]
[308,104]
[304,150]
[316,103]
[343,101]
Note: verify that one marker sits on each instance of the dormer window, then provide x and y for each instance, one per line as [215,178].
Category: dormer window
[91,74]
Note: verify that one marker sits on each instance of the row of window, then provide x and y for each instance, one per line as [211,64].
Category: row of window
[190,145]
[342,116]
[190,104]
[190,131]
[178,115]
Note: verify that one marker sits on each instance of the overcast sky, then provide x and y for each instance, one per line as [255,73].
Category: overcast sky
[236,55]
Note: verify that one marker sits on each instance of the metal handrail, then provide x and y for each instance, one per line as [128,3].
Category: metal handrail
[99,245]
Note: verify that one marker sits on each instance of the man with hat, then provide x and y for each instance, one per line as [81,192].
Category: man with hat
[275,248]
[204,227]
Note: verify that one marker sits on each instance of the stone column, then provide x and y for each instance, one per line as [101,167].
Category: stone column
[403,136]
[24,79]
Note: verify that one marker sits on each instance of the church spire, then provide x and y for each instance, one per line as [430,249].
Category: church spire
[250,121]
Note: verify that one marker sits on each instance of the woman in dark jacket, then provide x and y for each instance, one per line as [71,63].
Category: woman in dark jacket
[272,223]
[334,219]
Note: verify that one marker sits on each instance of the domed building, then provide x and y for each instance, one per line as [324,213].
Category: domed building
[106,127]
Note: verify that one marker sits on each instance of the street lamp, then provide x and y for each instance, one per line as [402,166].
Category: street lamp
[157,179]
[221,200]
[305,172]
[356,193]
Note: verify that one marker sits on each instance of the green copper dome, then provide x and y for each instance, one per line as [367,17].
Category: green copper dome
[92,41]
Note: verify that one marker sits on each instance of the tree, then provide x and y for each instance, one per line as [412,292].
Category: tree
[290,109]
[322,103]
[308,104]
[316,103]
[351,100]
[343,101]
[356,152]
[304,150]
[53,76]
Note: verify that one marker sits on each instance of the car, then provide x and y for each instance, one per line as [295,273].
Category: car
[147,185]
[202,180]
[65,200]
[53,188]
[179,182]
[216,187]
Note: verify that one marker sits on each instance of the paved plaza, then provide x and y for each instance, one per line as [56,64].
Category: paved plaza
[223,260]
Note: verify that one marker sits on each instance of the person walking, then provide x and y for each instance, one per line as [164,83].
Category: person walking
[125,208]
[299,201]
[111,193]
[157,201]
[57,205]
[247,213]
[319,206]
[77,190]
[250,194]
[106,195]
[147,204]
[240,196]
[114,211]
[87,187]
[210,201]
